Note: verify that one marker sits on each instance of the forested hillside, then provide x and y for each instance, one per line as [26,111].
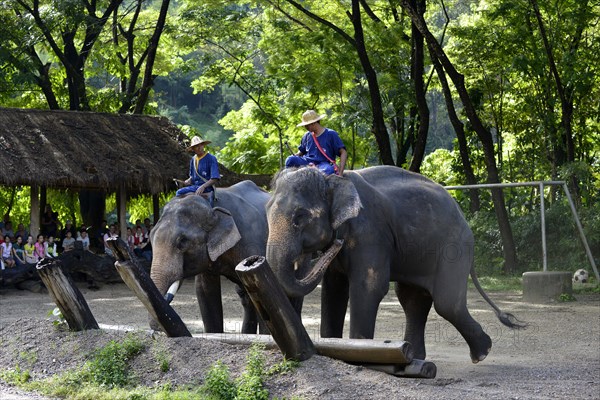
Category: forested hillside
[465,91]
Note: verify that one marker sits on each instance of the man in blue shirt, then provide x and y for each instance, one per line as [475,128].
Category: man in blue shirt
[204,171]
[319,147]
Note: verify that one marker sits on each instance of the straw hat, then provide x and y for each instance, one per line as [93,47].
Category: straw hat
[196,140]
[309,117]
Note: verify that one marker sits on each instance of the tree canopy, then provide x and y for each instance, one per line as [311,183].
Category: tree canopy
[487,90]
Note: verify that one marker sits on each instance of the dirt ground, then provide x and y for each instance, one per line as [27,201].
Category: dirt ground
[557,357]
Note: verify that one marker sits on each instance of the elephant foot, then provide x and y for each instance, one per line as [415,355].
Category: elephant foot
[481,349]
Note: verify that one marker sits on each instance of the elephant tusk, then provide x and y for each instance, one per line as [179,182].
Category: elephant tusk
[172,291]
[323,262]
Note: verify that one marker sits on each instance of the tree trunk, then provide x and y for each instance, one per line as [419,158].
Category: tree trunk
[379,128]
[485,137]
[417,71]
[460,134]
[149,76]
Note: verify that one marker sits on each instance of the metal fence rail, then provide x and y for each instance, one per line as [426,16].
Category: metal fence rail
[541,185]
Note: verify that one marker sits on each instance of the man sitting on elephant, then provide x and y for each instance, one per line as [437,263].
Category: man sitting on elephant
[204,171]
[319,147]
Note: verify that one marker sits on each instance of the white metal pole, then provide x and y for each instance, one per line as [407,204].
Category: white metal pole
[581,233]
[543,215]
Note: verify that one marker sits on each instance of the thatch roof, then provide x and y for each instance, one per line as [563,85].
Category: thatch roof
[90,150]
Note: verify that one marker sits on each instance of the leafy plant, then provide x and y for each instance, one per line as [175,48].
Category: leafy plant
[109,364]
[218,383]
[56,316]
[565,297]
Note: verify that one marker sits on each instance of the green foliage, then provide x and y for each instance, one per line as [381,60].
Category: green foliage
[109,365]
[566,297]
[16,376]
[219,384]
[56,316]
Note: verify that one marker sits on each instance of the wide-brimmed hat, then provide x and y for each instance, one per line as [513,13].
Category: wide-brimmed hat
[309,117]
[196,140]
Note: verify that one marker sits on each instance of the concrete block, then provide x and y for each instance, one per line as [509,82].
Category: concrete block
[542,287]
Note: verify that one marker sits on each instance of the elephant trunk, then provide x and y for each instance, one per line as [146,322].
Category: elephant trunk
[167,274]
[300,281]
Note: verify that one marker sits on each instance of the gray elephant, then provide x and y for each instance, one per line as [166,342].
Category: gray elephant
[193,239]
[396,226]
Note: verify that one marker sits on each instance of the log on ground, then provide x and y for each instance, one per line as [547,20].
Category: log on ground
[138,280]
[66,295]
[361,351]
[416,369]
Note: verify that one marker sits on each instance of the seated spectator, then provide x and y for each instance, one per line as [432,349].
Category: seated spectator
[146,250]
[40,250]
[139,241]
[68,227]
[7,253]
[21,231]
[147,227]
[69,243]
[108,235]
[18,250]
[50,247]
[7,230]
[130,239]
[84,239]
[29,248]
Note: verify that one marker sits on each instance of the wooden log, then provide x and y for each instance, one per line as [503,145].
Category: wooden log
[138,280]
[416,369]
[66,295]
[18,274]
[275,309]
[349,350]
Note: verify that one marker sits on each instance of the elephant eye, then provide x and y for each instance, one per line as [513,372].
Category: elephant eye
[300,217]
[182,242]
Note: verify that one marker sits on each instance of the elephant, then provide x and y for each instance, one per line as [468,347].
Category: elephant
[396,226]
[191,238]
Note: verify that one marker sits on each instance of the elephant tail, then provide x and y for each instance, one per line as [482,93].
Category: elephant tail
[507,319]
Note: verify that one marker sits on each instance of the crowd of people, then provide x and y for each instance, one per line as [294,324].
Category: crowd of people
[19,247]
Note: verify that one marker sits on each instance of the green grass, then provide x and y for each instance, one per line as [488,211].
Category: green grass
[105,377]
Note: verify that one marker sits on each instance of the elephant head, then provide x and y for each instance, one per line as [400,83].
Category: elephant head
[305,210]
[188,237]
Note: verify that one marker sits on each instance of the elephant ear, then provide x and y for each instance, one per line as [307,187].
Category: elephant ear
[223,235]
[345,201]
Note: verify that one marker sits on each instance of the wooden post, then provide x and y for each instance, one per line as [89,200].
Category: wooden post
[275,309]
[122,210]
[66,295]
[34,225]
[138,280]
[155,209]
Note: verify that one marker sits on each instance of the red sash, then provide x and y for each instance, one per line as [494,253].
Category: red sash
[335,167]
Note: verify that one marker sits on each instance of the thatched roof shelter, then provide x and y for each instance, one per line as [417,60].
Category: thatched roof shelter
[89,150]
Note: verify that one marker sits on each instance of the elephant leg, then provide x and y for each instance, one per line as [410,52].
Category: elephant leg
[334,302]
[416,303]
[250,320]
[453,308]
[208,292]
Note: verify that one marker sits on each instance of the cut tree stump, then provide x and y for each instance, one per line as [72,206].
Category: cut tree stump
[66,295]
[138,280]
[275,309]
